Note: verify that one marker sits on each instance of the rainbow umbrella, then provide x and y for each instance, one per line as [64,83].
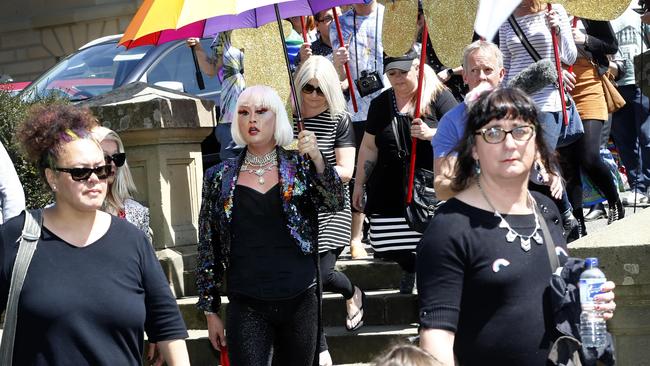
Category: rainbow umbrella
[254,17]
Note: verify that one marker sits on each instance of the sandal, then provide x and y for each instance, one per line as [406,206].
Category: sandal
[359,313]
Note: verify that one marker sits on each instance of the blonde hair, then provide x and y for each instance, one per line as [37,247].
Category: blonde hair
[406,355]
[431,88]
[267,97]
[123,187]
[321,69]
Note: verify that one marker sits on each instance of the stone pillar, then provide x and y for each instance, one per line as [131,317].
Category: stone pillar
[162,132]
[623,251]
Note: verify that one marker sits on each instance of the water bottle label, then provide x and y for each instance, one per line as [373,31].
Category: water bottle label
[589,288]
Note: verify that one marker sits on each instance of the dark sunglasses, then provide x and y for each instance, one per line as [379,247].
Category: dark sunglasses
[308,89]
[118,158]
[79,174]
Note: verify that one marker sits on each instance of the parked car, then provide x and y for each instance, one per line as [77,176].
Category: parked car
[101,66]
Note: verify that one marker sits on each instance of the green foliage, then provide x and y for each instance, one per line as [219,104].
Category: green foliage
[12,112]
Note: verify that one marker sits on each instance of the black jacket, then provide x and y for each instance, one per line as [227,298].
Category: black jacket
[601,41]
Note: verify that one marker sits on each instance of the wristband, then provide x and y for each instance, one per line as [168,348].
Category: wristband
[208,313]
[450,72]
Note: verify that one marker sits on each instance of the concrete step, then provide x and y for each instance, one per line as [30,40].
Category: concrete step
[345,347]
[385,307]
[367,274]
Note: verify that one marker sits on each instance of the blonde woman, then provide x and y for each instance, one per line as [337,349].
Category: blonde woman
[381,162]
[119,198]
[323,107]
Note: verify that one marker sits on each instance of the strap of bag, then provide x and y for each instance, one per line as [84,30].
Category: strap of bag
[28,240]
[554,262]
[522,37]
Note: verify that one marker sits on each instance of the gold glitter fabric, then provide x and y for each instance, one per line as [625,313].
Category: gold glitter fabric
[264,57]
[400,26]
[451,27]
[595,9]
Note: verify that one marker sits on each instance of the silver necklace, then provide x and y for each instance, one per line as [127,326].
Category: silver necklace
[256,164]
[255,160]
[524,240]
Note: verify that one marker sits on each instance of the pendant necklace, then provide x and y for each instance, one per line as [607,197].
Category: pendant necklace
[524,240]
[256,164]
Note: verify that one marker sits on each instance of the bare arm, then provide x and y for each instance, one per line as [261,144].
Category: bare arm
[345,163]
[443,169]
[365,166]
[174,352]
[439,343]
[210,66]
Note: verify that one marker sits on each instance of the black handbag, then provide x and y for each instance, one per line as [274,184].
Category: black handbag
[420,210]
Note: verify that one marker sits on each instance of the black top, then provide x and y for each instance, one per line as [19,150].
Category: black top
[601,41]
[264,260]
[492,294]
[385,186]
[90,305]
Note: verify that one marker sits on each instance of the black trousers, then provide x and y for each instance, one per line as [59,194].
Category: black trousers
[258,331]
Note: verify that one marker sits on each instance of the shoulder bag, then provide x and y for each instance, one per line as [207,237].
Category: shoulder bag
[572,130]
[419,212]
[28,240]
[613,98]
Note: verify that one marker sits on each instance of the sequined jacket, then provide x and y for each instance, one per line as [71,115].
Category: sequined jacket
[303,193]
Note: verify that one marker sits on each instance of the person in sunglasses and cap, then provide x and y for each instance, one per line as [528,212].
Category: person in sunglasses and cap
[119,197]
[94,285]
[381,161]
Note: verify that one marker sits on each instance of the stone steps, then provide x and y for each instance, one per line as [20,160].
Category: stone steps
[385,307]
[345,347]
[367,274]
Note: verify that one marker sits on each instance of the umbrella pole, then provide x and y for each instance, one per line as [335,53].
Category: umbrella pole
[347,67]
[294,93]
[574,23]
[199,76]
[416,114]
[304,28]
[558,66]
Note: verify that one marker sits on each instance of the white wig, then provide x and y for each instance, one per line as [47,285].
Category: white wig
[321,69]
[267,97]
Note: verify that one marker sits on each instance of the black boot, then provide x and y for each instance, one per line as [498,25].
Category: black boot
[616,212]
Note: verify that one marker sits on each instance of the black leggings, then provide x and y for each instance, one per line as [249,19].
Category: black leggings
[258,331]
[585,154]
[333,280]
[405,258]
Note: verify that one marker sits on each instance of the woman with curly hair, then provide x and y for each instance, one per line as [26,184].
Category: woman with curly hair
[94,284]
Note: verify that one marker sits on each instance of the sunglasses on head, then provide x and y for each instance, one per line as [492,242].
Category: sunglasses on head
[80,174]
[117,158]
[308,89]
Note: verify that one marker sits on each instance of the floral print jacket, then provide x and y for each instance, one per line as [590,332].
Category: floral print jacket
[303,193]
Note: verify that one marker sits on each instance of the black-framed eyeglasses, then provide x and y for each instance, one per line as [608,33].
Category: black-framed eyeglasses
[308,89]
[80,174]
[118,158]
[495,135]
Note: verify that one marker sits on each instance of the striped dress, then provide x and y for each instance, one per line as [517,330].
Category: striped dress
[334,228]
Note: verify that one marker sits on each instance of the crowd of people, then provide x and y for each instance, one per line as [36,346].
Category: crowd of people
[290,195]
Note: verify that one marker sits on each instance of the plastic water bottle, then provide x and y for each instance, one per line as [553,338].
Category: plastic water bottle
[592,325]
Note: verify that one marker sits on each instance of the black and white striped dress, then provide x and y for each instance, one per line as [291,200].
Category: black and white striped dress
[334,228]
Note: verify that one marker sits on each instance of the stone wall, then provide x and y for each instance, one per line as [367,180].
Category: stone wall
[623,250]
[35,34]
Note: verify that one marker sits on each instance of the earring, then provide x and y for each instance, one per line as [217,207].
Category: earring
[477,167]
[53,188]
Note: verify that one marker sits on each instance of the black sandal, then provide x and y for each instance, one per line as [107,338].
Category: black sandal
[360,312]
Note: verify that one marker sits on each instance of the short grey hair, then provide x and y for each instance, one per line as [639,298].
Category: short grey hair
[486,47]
[321,69]
[267,97]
